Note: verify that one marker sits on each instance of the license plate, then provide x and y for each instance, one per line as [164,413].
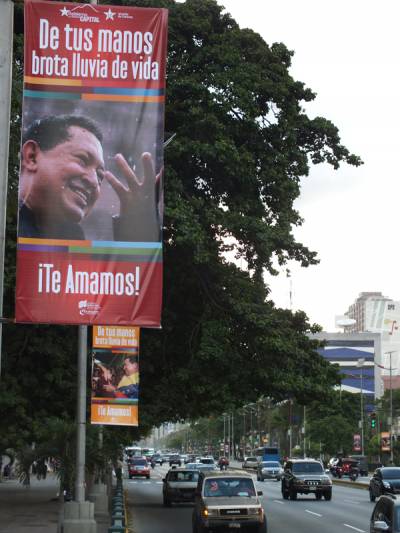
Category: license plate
[234,525]
[312,489]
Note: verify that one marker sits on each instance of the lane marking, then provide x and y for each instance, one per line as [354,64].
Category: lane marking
[352,501]
[278,501]
[355,528]
[312,512]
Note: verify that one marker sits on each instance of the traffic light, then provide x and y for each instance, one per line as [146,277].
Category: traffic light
[373,420]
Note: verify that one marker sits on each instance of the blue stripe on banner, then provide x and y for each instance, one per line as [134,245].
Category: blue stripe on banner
[46,94]
[44,248]
[127,91]
[123,244]
[127,258]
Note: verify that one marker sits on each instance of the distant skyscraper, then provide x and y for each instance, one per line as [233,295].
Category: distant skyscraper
[369,311]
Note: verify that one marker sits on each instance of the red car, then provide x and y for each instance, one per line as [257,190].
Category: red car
[138,466]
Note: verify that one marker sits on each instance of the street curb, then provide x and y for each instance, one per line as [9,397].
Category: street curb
[362,486]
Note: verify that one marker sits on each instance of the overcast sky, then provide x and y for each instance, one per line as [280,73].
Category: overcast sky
[348,53]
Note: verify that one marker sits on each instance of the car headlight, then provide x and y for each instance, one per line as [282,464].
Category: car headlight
[326,481]
[210,512]
[386,484]
[258,511]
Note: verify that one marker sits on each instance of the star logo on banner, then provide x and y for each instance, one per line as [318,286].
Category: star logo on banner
[109,15]
[64,12]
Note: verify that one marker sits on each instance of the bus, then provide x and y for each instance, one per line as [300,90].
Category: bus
[267,453]
[147,452]
[132,451]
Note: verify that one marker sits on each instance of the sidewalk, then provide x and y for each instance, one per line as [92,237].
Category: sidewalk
[34,509]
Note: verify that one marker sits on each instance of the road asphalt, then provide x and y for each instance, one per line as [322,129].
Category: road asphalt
[34,509]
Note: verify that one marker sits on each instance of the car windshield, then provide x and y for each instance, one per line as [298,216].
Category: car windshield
[252,459]
[228,487]
[271,464]
[183,476]
[138,462]
[307,468]
[391,473]
[207,460]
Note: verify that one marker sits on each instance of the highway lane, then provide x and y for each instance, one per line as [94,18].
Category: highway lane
[348,511]
[145,506]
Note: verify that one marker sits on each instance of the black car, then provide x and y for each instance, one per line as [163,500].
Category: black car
[386,515]
[305,476]
[175,459]
[386,480]
[157,459]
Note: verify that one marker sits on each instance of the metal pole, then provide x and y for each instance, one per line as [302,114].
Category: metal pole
[6,46]
[360,364]
[244,433]
[81,408]
[304,432]
[378,430]
[81,416]
[224,436]
[362,414]
[290,427]
[229,435]
[251,430]
[233,437]
[391,408]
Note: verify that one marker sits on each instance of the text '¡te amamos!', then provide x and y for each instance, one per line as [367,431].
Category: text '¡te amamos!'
[81,282]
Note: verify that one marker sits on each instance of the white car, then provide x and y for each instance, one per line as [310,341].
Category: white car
[269,470]
[250,462]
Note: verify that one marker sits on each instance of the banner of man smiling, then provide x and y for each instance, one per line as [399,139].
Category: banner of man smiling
[90,190]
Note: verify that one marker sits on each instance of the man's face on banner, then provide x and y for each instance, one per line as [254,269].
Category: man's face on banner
[130,367]
[67,180]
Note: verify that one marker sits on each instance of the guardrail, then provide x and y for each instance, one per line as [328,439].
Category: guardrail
[118,509]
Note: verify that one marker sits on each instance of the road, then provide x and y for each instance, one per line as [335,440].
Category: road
[348,511]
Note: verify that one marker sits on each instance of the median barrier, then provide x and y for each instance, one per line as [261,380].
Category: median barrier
[348,483]
[118,509]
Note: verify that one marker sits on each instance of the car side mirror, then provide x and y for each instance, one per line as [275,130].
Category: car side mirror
[259,493]
[380,525]
[164,479]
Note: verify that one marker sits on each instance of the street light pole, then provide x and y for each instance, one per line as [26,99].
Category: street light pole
[304,432]
[391,407]
[360,364]
[391,401]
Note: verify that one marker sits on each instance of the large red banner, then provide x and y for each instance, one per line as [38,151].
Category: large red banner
[90,190]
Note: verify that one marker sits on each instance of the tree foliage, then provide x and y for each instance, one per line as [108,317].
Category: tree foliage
[232,174]
[333,423]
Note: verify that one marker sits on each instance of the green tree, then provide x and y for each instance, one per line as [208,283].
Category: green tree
[333,420]
[232,174]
